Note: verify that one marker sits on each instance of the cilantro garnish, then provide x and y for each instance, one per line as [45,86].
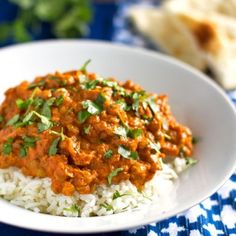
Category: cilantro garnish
[113,174]
[126,132]
[84,67]
[59,100]
[195,140]
[91,107]
[190,161]
[117,194]
[107,206]
[127,153]
[53,149]
[7,147]
[39,84]
[87,129]
[74,209]
[13,120]
[134,133]
[1,118]
[28,141]
[108,154]
[83,116]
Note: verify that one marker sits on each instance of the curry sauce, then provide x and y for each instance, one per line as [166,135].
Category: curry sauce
[81,130]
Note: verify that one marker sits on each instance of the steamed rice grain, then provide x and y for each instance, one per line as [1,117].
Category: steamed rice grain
[35,194]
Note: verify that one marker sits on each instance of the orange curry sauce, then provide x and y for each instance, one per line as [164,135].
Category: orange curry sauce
[81,131]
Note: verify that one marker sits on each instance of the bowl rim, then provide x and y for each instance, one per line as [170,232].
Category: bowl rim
[145,52]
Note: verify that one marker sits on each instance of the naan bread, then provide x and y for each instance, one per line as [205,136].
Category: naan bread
[194,33]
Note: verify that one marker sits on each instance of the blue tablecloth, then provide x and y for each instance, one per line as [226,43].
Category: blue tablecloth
[214,216]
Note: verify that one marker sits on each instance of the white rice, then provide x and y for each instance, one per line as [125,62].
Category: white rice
[35,194]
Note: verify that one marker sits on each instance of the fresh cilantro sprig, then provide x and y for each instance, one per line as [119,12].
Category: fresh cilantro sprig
[113,174]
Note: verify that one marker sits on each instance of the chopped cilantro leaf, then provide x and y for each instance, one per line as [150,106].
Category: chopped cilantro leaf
[74,209]
[54,147]
[87,129]
[39,84]
[1,118]
[84,67]
[91,107]
[83,116]
[7,147]
[100,100]
[106,206]
[134,133]
[90,84]
[108,154]
[113,174]
[23,151]
[190,161]
[61,134]
[59,100]
[23,105]
[13,120]
[117,194]
[195,140]
[128,154]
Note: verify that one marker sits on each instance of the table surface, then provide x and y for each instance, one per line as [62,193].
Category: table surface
[216,215]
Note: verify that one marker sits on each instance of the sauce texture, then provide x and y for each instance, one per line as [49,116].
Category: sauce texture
[81,131]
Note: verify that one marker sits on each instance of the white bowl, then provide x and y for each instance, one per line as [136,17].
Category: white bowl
[195,100]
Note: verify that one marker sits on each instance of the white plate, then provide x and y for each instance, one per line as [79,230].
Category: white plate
[195,100]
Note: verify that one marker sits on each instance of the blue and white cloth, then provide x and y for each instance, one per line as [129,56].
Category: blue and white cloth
[214,216]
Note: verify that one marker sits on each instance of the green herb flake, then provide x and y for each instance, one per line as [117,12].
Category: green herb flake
[74,209]
[155,146]
[123,105]
[113,174]
[190,162]
[38,102]
[128,154]
[134,156]
[84,67]
[110,83]
[42,126]
[39,84]
[107,206]
[1,118]
[59,100]
[61,134]
[87,129]
[134,133]
[83,116]
[53,149]
[23,105]
[90,85]
[108,154]
[100,100]
[195,140]
[46,109]
[7,147]
[117,194]
[28,141]
[23,151]
[13,120]
[91,107]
